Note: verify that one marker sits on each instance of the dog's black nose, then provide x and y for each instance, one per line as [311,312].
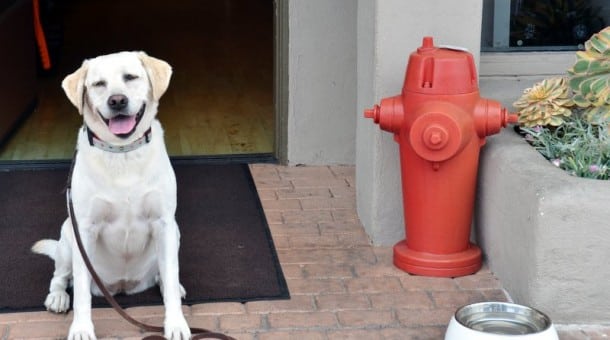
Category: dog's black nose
[117,102]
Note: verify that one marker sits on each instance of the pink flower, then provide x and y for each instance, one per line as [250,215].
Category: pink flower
[557,162]
[594,168]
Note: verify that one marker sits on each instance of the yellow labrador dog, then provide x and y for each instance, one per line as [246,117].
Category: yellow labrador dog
[124,193]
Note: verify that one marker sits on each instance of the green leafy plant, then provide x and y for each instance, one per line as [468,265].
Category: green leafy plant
[577,146]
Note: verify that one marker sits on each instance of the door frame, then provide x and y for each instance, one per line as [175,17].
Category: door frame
[280,82]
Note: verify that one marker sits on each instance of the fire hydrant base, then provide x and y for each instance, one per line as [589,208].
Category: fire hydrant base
[440,265]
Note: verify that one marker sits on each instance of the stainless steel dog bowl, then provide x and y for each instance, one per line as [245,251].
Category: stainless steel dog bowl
[500,320]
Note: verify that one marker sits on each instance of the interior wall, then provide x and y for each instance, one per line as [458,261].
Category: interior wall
[18,82]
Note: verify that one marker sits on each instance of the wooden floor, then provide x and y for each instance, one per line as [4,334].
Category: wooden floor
[220,99]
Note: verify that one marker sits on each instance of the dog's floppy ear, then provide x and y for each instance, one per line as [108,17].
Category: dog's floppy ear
[159,72]
[74,86]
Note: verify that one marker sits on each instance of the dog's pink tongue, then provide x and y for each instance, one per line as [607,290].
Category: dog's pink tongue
[122,124]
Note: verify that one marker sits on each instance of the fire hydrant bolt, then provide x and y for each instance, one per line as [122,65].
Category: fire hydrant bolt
[435,137]
[440,123]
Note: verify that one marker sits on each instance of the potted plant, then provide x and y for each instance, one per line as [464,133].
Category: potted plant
[566,118]
[544,231]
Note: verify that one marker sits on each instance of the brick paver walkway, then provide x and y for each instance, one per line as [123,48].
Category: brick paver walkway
[341,286]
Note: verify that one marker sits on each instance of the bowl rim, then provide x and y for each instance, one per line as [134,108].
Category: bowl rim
[543,316]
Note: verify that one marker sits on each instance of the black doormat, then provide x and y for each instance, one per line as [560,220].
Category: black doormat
[226,249]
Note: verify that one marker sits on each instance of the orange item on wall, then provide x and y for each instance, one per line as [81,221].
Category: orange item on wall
[40,37]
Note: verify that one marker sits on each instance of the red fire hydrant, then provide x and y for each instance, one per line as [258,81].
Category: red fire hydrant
[440,123]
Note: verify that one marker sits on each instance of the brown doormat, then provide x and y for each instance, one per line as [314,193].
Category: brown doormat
[226,250]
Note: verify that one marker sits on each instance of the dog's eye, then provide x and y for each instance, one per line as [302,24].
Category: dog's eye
[99,83]
[128,77]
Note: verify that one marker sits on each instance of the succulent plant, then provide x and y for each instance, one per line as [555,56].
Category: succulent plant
[590,78]
[546,103]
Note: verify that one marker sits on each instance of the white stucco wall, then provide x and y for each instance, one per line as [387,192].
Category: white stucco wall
[388,31]
[343,57]
[322,82]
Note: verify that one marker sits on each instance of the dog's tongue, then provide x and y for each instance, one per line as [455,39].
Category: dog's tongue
[122,124]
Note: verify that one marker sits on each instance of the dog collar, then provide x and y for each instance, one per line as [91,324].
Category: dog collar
[105,146]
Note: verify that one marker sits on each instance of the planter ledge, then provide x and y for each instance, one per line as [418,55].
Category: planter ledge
[545,234]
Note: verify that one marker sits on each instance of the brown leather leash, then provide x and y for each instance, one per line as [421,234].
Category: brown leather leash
[198,333]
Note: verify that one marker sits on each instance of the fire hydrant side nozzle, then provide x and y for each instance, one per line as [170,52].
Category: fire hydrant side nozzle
[388,114]
[490,117]
[440,123]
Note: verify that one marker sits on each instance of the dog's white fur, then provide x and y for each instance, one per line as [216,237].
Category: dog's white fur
[124,203]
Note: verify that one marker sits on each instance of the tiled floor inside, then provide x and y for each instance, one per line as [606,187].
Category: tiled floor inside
[341,286]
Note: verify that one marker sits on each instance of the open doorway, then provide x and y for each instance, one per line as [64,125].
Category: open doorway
[220,99]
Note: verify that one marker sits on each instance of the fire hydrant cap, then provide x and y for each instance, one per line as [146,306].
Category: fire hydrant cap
[441,71]
[436,136]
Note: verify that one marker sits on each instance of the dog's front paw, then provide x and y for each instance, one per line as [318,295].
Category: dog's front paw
[81,330]
[57,302]
[176,328]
